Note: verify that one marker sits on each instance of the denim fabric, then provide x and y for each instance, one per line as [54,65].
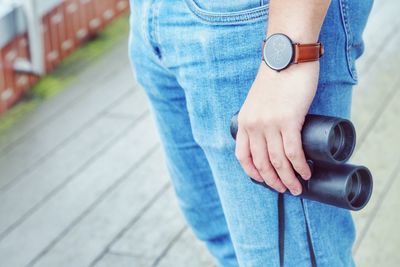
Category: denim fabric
[196,60]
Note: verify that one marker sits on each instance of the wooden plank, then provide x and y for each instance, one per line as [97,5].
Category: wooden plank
[380,152]
[61,212]
[380,246]
[22,79]
[10,53]
[187,251]
[50,175]
[53,22]
[145,187]
[85,82]
[69,13]
[152,234]
[47,43]
[131,105]
[72,15]
[117,260]
[42,142]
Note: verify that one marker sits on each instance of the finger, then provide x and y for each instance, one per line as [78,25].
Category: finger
[242,153]
[294,152]
[259,154]
[280,163]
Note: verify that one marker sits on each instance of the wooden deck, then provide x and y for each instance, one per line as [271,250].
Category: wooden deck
[81,185]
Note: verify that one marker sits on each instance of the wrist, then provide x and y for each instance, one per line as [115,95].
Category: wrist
[308,67]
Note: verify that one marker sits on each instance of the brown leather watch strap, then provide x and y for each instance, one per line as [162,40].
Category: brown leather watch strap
[307,52]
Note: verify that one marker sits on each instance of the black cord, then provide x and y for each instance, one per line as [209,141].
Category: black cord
[281,227]
[281,235]
[310,245]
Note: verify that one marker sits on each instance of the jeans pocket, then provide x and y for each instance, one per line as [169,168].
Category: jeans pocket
[228,12]
[350,57]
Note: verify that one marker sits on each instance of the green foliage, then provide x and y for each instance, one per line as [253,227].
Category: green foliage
[48,86]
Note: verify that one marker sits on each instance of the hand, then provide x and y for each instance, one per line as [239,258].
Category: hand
[268,142]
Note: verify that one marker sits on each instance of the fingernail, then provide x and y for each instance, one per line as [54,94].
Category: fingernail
[296,191]
[306,176]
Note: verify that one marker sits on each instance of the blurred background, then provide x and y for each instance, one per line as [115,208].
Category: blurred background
[81,185]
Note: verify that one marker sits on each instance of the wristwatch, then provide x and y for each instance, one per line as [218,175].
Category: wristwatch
[279,52]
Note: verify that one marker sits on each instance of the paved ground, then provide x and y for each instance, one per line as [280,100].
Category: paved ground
[81,185]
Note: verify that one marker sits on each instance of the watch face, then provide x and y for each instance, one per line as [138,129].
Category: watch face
[278,51]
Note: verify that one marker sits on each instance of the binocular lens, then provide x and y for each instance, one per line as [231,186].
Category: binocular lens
[358,188]
[341,141]
[336,140]
[352,187]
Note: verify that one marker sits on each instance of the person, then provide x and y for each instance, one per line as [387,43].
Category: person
[200,61]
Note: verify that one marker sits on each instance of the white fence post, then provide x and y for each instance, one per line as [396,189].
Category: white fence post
[35,37]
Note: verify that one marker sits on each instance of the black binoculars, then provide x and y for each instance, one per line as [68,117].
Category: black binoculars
[328,142]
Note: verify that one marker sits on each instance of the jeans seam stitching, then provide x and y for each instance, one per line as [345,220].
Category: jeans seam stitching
[347,31]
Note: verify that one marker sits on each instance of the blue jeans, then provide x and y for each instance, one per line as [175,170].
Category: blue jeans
[196,60]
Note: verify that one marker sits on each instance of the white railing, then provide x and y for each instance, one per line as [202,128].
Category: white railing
[18,16]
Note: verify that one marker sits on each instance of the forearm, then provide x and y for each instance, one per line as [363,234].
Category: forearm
[300,20]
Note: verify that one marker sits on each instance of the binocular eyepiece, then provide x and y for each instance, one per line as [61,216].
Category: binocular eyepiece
[328,142]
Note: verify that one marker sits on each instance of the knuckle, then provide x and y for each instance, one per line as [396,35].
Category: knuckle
[257,123]
[272,181]
[242,122]
[266,170]
[292,154]
[276,162]
[252,124]
[273,155]
[267,120]
[291,184]
[291,142]
[259,165]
